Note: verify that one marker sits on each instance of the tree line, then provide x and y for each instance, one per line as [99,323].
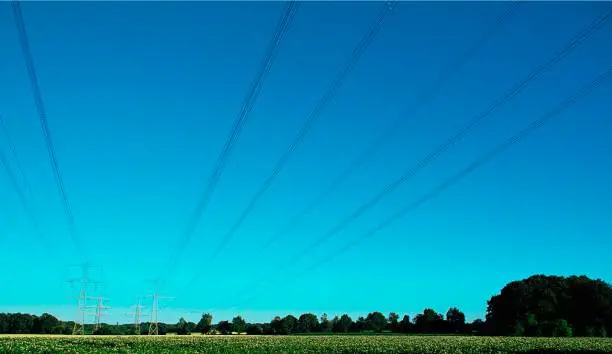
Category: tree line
[427,322]
[537,306]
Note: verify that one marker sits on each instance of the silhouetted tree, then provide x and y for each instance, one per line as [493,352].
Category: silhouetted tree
[429,322]
[360,325]
[405,325]
[276,326]
[478,326]
[376,321]
[455,320]
[182,327]
[325,325]
[20,323]
[238,324]
[267,328]
[4,323]
[394,322]
[308,322]
[45,324]
[343,324]
[539,301]
[224,327]
[205,324]
[290,324]
[254,329]
[191,326]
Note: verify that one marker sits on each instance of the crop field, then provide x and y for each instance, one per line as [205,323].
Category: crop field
[299,344]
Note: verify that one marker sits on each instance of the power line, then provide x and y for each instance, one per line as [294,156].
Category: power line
[465,130]
[25,204]
[448,143]
[479,162]
[247,106]
[397,126]
[13,150]
[42,115]
[319,108]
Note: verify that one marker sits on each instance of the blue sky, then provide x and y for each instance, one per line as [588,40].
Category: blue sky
[140,98]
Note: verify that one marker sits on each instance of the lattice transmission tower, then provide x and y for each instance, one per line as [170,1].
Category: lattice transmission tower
[100,308]
[154,324]
[138,314]
[85,284]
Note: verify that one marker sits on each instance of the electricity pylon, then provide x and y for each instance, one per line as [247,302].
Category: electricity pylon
[154,324]
[100,307]
[85,282]
[137,316]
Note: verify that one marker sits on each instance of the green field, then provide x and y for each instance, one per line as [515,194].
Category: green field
[300,344]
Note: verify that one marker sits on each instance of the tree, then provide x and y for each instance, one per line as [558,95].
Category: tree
[5,323]
[45,324]
[20,323]
[531,326]
[238,324]
[191,326]
[562,329]
[342,324]
[182,327]
[307,323]
[254,329]
[405,325]
[393,322]
[455,319]
[172,328]
[68,327]
[267,328]
[536,306]
[429,322]
[224,327]
[584,303]
[60,329]
[478,326]
[376,321]
[325,325]
[105,330]
[360,325]
[205,324]
[276,326]
[290,324]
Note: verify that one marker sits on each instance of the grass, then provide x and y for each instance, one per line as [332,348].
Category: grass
[299,344]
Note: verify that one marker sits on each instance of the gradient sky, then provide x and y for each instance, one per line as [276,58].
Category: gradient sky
[140,98]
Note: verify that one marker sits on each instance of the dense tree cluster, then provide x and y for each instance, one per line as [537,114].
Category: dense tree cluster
[427,322]
[21,323]
[552,306]
[536,306]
